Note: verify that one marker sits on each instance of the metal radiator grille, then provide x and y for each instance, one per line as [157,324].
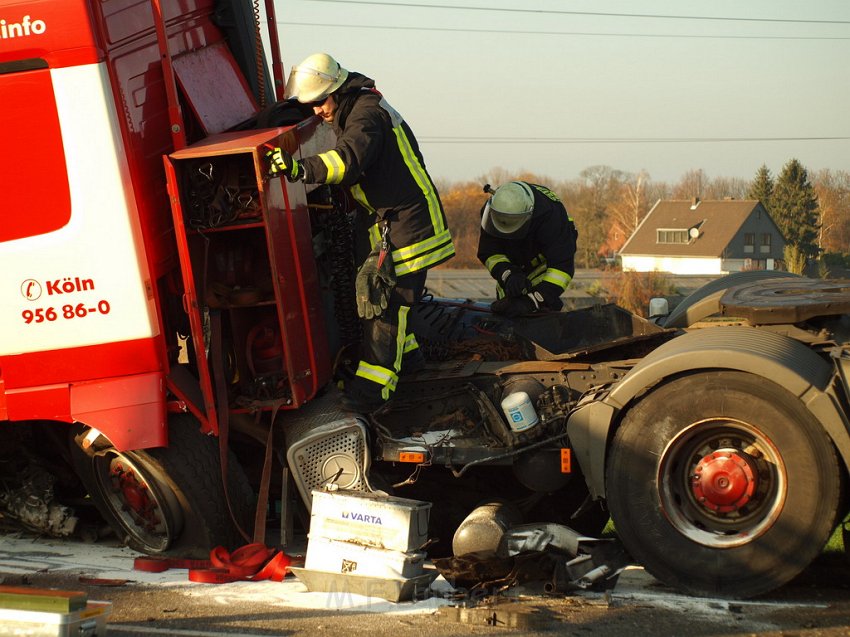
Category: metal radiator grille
[330,453]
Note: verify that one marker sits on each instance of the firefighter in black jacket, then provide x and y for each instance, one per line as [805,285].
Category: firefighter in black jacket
[377,157]
[527,242]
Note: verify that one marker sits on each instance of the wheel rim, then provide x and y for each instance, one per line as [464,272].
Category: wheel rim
[721,482]
[147,512]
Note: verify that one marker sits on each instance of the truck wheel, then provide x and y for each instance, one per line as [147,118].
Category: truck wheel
[168,501]
[722,484]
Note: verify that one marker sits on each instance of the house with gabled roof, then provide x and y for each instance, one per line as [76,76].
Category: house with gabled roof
[704,237]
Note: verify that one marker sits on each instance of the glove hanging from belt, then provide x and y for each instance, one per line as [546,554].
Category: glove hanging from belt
[375,281]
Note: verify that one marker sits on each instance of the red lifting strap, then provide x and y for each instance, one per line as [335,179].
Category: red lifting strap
[253,562]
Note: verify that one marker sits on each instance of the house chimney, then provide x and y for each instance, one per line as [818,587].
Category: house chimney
[694,203]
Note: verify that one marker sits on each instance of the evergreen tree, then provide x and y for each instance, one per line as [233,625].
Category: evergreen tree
[761,187]
[794,208]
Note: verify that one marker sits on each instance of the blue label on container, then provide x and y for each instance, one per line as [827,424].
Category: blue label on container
[516,416]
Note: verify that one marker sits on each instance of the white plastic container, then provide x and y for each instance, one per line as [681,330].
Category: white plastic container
[658,306]
[519,411]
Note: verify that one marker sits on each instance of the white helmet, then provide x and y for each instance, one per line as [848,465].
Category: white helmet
[509,209]
[315,78]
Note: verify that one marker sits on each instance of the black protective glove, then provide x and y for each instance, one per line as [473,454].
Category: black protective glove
[374,284]
[513,307]
[282,163]
[515,283]
[548,299]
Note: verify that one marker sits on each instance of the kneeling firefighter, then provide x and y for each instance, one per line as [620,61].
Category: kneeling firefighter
[378,158]
[527,242]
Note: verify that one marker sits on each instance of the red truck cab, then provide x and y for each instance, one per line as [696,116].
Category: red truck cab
[108,107]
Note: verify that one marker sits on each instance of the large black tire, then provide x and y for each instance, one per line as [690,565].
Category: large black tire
[169,501]
[722,484]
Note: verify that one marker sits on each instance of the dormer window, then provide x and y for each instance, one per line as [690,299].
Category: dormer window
[670,235]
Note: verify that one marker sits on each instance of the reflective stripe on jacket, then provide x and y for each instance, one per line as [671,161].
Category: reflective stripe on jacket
[545,254]
[378,158]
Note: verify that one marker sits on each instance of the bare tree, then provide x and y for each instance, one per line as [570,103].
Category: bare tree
[690,185]
[726,187]
[631,207]
[833,192]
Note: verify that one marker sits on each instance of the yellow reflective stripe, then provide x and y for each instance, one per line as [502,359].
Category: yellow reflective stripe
[410,343]
[374,235]
[360,197]
[416,249]
[380,375]
[427,260]
[557,277]
[417,171]
[536,275]
[494,260]
[401,337]
[336,167]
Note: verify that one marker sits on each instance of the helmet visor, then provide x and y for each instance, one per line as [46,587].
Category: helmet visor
[307,85]
[505,224]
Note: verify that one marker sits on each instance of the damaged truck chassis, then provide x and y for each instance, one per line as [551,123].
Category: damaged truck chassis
[175,323]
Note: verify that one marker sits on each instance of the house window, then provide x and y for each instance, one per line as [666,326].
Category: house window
[671,236]
[764,248]
[749,242]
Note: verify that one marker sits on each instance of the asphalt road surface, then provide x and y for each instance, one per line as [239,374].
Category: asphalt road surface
[815,604]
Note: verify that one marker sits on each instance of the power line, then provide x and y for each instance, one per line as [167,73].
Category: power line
[617,140]
[572,33]
[585,13]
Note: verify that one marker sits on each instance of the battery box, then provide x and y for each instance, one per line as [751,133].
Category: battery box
[370,519]
[335,556]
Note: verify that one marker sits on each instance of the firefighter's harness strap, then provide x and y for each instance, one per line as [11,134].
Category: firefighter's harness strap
[222,409]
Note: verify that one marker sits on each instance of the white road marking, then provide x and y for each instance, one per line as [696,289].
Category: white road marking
[149,630]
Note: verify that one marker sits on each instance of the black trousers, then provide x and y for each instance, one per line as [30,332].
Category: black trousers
[388,342]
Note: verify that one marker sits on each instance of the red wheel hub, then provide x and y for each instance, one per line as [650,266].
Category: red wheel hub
[724,481]
[135,494]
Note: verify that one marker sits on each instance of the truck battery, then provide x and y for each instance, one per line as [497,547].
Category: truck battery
[85,622]
[335,556]
[370,519]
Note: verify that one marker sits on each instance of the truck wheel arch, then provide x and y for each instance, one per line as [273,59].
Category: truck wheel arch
[780,359]
[705,301]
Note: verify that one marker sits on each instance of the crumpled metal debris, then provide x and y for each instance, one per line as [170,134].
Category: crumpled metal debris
[553,554]
[32,504]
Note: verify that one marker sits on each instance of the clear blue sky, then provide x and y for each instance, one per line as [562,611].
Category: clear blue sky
[517,85]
